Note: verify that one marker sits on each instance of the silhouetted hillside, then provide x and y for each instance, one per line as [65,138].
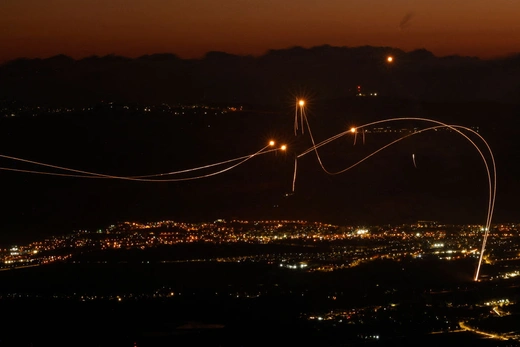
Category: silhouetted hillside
[326,71]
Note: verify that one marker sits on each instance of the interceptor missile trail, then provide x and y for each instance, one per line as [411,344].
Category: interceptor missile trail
[492,180]
[294,176]
[299,113]
[87,174]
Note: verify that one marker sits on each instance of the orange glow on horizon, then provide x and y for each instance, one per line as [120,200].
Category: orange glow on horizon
[85,28]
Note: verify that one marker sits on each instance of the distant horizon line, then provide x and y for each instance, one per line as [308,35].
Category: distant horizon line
[391,50]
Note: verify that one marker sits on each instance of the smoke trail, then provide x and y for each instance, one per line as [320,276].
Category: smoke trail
[405,22]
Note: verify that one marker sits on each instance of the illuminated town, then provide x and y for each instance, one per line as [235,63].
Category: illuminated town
[13,109]
[349,245]
[321,247]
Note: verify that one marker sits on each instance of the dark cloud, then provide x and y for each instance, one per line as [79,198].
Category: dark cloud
[405,22]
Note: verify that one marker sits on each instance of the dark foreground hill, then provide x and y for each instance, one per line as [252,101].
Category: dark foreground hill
[325,71]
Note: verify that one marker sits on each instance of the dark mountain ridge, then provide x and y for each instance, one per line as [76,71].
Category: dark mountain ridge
[325,71]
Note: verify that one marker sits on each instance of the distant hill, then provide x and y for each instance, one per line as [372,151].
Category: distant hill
[325,71]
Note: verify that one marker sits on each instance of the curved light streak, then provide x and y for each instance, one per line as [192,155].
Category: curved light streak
[87,174]
[453,127]
[48,173]
[492,186]
[294,175]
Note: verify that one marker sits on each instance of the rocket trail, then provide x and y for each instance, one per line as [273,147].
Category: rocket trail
[296,117]
[492,179]
[294,176]
[87,174]
[299,113]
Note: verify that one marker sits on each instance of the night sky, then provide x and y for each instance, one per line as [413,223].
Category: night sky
[189,28]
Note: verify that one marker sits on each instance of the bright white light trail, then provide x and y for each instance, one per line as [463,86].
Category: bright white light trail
[87,174]
[299,112]
[492,181]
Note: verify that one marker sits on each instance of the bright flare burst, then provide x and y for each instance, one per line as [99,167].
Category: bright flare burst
[299,115]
